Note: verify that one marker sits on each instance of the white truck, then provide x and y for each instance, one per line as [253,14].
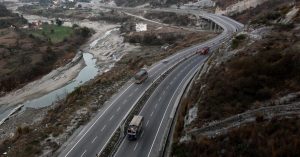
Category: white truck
[135,127]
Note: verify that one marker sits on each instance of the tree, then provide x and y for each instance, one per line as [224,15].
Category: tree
[85,32]
[75,26]
[58,22]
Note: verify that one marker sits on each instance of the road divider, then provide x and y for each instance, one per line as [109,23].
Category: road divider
[108,150]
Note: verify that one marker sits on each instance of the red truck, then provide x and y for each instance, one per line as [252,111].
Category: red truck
[203,51]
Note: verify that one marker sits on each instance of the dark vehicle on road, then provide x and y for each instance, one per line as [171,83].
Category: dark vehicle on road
[203,51]
[141,76]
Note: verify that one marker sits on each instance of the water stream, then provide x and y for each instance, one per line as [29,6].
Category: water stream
[86,74]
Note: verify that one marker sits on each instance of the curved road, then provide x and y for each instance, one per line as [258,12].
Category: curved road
[96,134]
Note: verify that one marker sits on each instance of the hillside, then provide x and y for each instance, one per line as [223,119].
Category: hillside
[258,67]
[8,18]
[28,53]
[282,140]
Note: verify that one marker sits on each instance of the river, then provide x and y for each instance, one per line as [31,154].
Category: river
[87,73]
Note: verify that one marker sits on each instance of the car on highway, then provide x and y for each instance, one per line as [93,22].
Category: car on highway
[141,76]
[203,51]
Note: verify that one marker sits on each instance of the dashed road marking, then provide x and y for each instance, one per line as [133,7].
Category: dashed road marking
[135,146]
[147,123]
[111,117]
[83,153]
[142,134]
[151,114]
[159,99]
[118,109]
[94,139]
[103,128]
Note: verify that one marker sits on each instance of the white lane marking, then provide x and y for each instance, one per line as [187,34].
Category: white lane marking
[155,66]
[142,134]
[103,128]
[111,117]
[159,99]
[118,109]
[154,72]
[97,120]
[147,123]
[81,132]
[94,139]
[155,106]
[127,114]
[136,89]
[165,113]
[151,114]
[130,94]
[135,146]
[83,153]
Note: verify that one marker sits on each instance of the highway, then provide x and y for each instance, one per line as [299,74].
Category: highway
[157,110]
[96,134]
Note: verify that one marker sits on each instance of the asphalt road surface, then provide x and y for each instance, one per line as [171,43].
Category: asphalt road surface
[96,134]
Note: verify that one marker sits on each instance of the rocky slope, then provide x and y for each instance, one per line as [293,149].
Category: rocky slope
[259,65]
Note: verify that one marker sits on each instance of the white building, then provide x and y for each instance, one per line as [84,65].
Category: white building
[140,27]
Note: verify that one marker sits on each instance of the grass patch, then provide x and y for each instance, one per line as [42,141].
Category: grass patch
[238,40]
[53,33]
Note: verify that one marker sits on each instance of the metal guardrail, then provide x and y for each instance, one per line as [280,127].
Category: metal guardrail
[280,109]
[176,62]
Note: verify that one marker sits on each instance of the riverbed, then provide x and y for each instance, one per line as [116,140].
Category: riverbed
[98,55]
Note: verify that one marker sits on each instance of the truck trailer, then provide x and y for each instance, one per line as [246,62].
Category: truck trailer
[135,127]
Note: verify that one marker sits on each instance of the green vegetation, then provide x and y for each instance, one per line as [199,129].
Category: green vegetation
[234,87]
[54,33]
[7,18]
[238,40]
[262,71]
[276,138]
[27,54]
[90,96]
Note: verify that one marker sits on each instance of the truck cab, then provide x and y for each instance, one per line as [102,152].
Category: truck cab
[203,51]
[141,76]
